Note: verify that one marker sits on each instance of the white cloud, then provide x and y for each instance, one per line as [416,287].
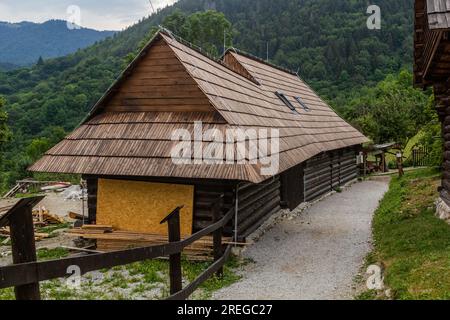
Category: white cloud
[99,14]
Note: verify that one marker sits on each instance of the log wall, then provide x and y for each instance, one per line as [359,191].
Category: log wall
[92,186]
[257,202]
[327,171]
[292,187]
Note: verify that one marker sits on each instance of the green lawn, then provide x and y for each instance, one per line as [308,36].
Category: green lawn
[411,243]
[140,280]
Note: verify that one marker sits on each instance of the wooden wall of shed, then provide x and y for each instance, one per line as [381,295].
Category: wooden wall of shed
[329,170]
[444,115]
[205,197]
[292,187]
[92,186]
[257,202]
[159,83]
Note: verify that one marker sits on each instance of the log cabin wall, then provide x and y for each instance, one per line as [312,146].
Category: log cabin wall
[92,186]
[257,202]
[329,170]
[432,68]
[442,96]
[292,187]
[205,196]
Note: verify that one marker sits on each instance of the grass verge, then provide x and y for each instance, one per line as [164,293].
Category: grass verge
[141,280]
[410,242]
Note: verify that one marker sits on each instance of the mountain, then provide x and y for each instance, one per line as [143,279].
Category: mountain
[5,66]
[327,41]
[23,43]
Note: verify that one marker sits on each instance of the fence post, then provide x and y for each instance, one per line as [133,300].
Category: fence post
[173,221]
[217,235]
[23,248]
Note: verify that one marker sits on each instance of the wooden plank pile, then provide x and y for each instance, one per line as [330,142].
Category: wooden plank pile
[5,235]
[41,218]
[109,240]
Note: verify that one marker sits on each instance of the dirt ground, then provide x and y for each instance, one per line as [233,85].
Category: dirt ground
[56,204]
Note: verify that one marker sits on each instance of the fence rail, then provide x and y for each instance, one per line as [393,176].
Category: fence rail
[26,275]
[420,156]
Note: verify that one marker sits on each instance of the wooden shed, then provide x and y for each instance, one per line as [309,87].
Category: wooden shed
[432,69]
[123,148]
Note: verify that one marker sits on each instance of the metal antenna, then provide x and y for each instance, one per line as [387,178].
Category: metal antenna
[267,52]
[151,5]
[224,41]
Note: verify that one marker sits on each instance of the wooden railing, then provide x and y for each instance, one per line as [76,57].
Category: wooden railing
[26,273]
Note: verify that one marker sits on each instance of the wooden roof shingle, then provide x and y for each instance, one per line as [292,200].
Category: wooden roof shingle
[129,132]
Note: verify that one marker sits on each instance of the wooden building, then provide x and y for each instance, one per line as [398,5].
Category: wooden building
[123,148]
[432,69]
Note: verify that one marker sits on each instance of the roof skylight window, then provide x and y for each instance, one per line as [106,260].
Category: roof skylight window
[302,103]
[285,100]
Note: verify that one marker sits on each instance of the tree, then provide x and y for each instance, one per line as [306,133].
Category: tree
[5,133]
[209,30]
[40,61]
[393,111]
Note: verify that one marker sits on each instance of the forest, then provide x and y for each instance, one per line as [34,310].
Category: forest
[365,75]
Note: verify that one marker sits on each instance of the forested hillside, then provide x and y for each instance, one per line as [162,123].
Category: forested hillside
[326,40]
[23,43]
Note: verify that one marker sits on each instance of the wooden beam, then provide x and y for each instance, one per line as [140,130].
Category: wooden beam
[176,279]
[23,248]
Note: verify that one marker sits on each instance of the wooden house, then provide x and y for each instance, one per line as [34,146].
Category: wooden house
[432,69]
[123,148]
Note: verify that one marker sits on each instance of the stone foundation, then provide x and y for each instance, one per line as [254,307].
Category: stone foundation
[442,210]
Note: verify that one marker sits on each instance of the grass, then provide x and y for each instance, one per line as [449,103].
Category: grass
[410,242]
[51,228]
[140,280]
[50,254]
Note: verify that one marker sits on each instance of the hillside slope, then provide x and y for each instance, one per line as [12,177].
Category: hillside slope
[326,40]
[23,43]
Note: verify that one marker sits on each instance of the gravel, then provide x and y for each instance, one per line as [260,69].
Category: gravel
[313,255]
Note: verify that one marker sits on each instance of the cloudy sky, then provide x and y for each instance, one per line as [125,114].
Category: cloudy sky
[97,14]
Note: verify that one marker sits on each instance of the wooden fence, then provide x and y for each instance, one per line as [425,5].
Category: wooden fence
[26,273]
[419,156]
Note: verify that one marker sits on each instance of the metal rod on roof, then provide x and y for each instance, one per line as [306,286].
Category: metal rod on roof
[151,5]
[224,41]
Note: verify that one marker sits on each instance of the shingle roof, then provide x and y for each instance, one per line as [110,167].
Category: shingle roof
[241,93]
[438,14]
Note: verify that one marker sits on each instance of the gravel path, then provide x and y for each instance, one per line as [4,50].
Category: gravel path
[315,255]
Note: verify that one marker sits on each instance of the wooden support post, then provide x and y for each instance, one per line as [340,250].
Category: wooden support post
[173,220]
[217,235]
[400,164]
[24,249]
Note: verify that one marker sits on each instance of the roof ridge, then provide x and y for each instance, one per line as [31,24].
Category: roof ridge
[199,50]
[260,60]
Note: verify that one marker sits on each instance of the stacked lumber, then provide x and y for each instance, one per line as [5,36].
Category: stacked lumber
[44,217]
[41,218]
[109,240]
[5,235]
